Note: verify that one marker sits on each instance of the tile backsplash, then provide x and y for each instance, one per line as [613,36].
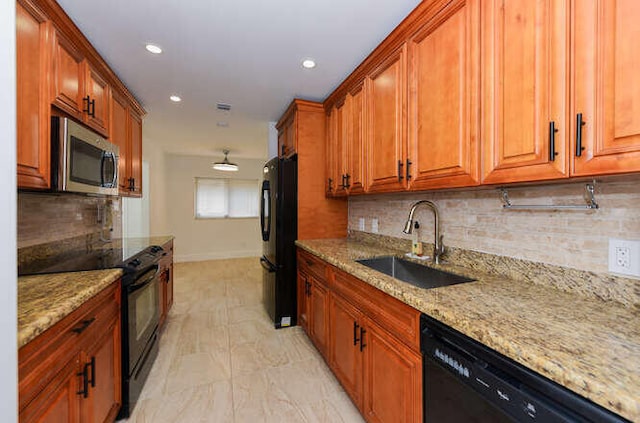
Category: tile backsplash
[50,218]
[474,220]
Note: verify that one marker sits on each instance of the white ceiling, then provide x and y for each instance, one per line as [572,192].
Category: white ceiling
[243,52]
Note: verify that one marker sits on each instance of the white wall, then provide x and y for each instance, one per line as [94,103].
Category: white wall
[273,140]
[154,155]
[205,239]
[8,299]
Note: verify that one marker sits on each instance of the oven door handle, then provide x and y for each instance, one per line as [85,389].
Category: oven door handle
[145,279]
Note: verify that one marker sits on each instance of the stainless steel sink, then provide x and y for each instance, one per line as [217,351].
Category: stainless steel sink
[415,274]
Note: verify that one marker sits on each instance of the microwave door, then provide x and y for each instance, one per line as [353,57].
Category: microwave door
[109,170]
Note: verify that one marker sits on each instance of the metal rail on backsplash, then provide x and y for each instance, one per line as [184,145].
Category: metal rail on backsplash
[589,197]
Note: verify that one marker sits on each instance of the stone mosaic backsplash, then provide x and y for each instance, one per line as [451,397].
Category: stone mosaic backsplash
[54,223]
[474,220]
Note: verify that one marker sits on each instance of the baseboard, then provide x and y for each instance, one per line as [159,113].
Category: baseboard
[181,258]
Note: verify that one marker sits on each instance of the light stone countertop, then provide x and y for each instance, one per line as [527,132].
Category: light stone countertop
[44,300]
[590,346]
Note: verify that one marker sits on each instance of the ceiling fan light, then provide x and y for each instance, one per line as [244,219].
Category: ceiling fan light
[225,165]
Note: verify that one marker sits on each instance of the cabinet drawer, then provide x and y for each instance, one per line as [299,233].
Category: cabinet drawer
[399,319]
[312,265]
[40,360]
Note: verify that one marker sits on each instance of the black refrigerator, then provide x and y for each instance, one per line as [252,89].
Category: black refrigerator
[279,227]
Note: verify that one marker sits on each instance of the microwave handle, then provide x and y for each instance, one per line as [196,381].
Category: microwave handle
[112,157]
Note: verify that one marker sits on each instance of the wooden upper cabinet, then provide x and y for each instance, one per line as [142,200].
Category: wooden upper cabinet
[332,174]
[135,154]
[355,127]
[287,137]
[99,93]
[443,99]
[78,88]
[33,62]
[385,97]
[118,134]
[524,80]
[606,87]
[68,77]
[339,146]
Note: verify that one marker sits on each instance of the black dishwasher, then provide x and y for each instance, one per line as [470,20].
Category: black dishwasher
[465,381]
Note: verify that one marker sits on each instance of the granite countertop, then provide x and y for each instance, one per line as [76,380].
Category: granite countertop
[592,347]
[44,300]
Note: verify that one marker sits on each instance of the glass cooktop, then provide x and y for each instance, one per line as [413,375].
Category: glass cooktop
[75,261]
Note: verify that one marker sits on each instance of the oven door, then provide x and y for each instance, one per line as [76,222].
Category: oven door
[144,314]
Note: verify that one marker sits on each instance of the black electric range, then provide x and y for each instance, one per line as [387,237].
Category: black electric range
[131,259]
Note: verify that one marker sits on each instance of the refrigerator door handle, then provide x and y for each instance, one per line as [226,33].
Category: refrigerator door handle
[265,211]
[266,265]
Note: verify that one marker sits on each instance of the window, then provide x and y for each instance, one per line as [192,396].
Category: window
[222,198]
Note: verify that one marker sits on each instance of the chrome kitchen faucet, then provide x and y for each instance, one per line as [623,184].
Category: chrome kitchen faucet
[438,246]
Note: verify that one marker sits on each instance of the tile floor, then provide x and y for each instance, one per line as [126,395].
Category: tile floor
[222,361]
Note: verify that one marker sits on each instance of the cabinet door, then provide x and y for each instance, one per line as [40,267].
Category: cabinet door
[118,135]
[332,178]
[59,401]
[32,91]
[104,399]
[525,70]
[99,93]
[318,304]
[443,100]
[339,146]
[282,135]
[355,141]
[303,318]
[135,154]
[68,78]
[345,356]
[287,138]
[386,115]
[392,379]
[607,88]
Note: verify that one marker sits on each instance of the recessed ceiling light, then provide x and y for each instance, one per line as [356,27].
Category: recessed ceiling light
[308,64]
[152,48]
[175,98]
[223,124]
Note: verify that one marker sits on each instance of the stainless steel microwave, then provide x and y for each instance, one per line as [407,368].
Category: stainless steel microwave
[82,161]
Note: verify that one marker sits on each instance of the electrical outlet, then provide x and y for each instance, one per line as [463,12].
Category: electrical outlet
[361,224]
[374,225]
[624,257]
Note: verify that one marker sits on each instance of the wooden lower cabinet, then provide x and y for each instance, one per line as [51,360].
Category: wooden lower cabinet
[317,312]
[103,399]
[72,371]
[392,378]
[369,339]
[58,402]
[302,313]
[166,282]
[345,356]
